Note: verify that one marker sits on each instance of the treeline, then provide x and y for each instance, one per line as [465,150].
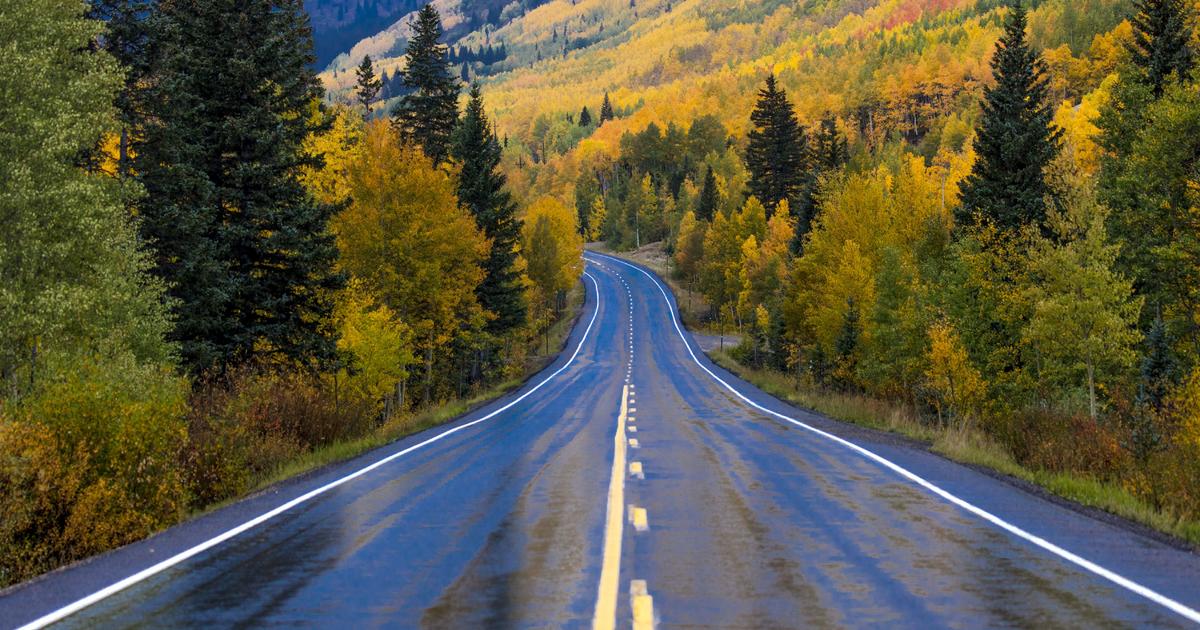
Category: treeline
[1033,281]
[207,273]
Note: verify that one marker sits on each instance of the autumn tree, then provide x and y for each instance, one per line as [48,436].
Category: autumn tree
[428,114]
[553,252]
[1016,139]
[408,240]
[776,154]
[368,84]
[481,189]
[75,277]
[243,246]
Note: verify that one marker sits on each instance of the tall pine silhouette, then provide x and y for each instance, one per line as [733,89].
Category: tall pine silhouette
[368,84]
[707,205]
[1161,41]
[245,249]
[776,154]
[606,110]
[1016,138]
[481,190]
[428,114]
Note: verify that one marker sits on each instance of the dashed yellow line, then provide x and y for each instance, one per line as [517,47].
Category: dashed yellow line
[605,617]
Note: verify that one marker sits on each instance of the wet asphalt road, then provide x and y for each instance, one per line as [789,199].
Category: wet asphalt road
[752,522]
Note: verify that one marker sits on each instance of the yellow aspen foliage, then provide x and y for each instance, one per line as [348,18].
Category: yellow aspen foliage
[379,343]
[1080,132]
[409,242]
[338,146]
[596,218]
[765,267]
[553,248]
[689,249]
[957,390]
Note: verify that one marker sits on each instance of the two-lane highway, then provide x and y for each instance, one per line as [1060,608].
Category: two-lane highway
[633,482]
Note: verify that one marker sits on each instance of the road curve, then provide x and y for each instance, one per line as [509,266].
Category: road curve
[632,482]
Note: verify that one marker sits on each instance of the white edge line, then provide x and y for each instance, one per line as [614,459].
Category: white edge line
[1183,610]
[112,589]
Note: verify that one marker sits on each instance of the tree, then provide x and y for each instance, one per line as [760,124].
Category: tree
[776,152]
[368,84]
[553,250]
[606,110]
[585,117]
[709,197]
[1084,313]
[75,278]
[1159,367]
[596,220]
[587,190]
[1161,45]
[1016,139]
[428,114]
[954,383]
[846,348]
[481,190]
[244,247]
[408,240]
[126,38]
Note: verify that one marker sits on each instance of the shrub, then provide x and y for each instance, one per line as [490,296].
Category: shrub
[88,462]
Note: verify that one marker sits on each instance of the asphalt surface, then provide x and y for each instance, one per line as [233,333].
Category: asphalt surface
[751,520]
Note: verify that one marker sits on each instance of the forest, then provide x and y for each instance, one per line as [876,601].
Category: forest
[973,225]
[213,277]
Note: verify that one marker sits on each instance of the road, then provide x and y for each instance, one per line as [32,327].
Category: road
[633,482]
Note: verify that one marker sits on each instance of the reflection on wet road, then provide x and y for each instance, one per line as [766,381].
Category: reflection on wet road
[731,518]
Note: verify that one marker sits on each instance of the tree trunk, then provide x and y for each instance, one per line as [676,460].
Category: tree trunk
[1091,373]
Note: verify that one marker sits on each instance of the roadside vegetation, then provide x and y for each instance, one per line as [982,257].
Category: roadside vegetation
[1019,294]
[211,278]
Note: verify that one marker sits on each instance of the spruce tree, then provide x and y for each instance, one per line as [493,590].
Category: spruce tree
[481,190]
[428,114]
[585,117]
[1161,44]
[368,83]
[606,110]
[776,154]
[244,247]
[707,206]
[1016,138]
[126,39]
[1159,367]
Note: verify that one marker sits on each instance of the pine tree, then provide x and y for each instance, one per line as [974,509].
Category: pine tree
[481,190]
[1161,44]
[245,249]
[369,85]
[708,197]
[428,114]
[846,347]
[1159,367]
[776,152]
[585,117]
[126,38]
[606,110]
[1016,139]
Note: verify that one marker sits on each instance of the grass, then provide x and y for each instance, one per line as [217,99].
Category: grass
[966,446]
[405,425]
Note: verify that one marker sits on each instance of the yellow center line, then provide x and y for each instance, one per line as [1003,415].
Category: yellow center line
[605,617]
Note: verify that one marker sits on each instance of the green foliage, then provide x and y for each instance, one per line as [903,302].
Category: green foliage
[777,151]
[74,275]
[481,189]
[244,248]
[368,84]
[1162,41]
[428,114]
[1016,140]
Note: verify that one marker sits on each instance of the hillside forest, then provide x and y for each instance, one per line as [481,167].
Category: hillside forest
[211,277]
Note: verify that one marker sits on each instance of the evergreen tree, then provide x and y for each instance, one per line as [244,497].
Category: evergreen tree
[244,247]
[1016,139]
[831,151]
[1161,44]
[428,114]
[125,38]
[585,117]
[369,85]
[587,191]
[1159,367]
[606,110]
[708,197]
[846,347]
[775,155]
[481,190]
